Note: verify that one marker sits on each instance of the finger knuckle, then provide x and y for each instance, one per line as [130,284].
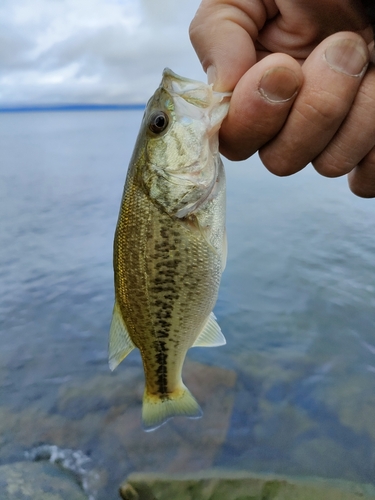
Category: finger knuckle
[323,109]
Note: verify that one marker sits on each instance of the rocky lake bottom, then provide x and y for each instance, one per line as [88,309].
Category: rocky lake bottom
[292,392]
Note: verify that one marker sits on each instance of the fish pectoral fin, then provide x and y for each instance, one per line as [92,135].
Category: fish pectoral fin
[157,409]
[211,334]
[120,343]
[193,224]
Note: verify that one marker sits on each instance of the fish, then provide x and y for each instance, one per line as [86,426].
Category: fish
[170,243]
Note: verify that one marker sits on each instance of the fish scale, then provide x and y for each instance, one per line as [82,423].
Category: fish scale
[163,276]
[168,268]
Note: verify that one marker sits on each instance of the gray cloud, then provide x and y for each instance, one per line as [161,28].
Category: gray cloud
[15,48]
[95,51]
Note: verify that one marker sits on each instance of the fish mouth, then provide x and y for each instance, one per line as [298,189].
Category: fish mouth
[206,102]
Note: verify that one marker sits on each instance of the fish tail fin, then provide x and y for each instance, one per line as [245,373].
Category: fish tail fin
[157,409]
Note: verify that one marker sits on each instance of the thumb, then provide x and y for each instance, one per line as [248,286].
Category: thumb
[222,36]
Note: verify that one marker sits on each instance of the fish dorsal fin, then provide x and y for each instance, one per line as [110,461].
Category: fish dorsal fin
[120,343]
[211,335]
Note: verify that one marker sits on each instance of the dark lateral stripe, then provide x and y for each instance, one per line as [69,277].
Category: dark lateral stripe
[161,371]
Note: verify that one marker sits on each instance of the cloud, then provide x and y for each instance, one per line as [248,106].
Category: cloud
[107,51]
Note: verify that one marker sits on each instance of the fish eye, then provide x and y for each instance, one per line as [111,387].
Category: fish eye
[158,122]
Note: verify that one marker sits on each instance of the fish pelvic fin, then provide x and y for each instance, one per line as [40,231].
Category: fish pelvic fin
[120,343]
[211,334]
[158,409]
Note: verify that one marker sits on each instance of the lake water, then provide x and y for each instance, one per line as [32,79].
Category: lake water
[293,391]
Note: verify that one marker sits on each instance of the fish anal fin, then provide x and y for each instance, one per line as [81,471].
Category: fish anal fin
[211,334]
[120,343]
[158,409]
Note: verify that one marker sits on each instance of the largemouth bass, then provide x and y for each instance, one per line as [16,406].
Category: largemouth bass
[170,243]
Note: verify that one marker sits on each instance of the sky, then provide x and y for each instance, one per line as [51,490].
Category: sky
[92,51]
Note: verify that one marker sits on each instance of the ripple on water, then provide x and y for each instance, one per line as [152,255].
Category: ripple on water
[291,392]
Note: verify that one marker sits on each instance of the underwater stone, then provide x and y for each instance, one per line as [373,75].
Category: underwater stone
[229,485]
[37,481]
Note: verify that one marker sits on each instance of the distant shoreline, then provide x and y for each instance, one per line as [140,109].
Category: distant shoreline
[71,107]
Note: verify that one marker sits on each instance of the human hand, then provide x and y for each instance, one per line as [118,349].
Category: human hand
[303,90]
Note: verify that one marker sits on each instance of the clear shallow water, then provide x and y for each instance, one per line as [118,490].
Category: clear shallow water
[293,389]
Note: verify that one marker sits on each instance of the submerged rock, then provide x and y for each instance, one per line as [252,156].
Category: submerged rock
[181,444]
[217,485]
[37,481]
[73,461]
[102,417]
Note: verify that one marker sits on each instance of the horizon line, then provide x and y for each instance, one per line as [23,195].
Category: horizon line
[70,107]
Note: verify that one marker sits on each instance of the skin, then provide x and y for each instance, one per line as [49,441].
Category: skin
[303,83]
